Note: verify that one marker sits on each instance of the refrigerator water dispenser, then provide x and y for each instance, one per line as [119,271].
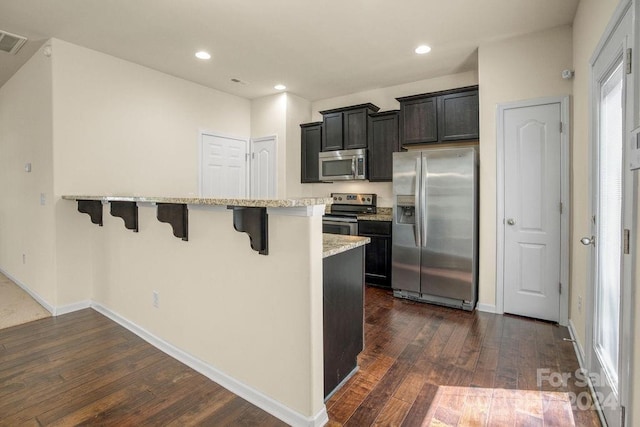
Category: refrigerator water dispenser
[406,209]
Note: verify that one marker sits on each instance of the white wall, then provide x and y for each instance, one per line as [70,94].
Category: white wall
[298,111]
[281,115]
[256,318]
[269,117]
[121,128]
[27,227]
[385,98]
[515,69]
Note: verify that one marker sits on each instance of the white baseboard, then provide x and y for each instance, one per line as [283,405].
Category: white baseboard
[51,309]
[70,308]
[487,308]
[257,398]
[577,347]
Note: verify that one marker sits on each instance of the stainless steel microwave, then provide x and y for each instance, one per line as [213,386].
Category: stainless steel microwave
[343,165]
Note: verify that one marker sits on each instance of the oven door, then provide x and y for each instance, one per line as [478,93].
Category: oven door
[347,227]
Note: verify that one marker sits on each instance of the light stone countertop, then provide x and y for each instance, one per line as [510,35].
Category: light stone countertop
[333,244]
[383,214]
[253,203]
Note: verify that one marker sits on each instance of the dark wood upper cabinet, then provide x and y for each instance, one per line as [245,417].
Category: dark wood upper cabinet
[311,140]
[451,115]
[419,120]
[383,142]
[333,131]
[355,128]
[459,116]
[346,128]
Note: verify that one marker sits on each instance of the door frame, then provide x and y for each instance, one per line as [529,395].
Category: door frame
[627,331]
[565,198]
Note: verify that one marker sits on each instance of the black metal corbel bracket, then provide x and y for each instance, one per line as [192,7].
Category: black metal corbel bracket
[254,222]
[93,208]
[178,216]
[128,211]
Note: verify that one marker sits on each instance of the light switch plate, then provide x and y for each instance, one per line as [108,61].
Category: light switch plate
[27,167]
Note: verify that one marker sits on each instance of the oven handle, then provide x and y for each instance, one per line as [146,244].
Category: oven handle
[353,225]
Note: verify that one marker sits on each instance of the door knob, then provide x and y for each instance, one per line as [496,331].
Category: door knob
[511,221]
[588,241]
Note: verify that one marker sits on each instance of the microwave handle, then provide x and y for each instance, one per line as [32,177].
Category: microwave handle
[353,167]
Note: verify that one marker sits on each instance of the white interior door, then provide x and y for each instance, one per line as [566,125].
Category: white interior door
[610,267]
[264,167]
[223,171]
[532,210]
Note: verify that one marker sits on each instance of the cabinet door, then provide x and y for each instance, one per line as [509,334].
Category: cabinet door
[378,261]
[419,121]
[377,253]
[332,135]
[458,116]
[355,129]
[311,136]
[383,142]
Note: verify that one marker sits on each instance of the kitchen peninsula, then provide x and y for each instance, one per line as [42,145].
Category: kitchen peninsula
[246,310]
[343,308]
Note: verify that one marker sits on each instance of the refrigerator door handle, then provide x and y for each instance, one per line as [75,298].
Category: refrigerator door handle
[416,204]
[423,201]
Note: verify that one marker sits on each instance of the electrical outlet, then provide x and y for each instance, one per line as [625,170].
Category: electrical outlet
[156,299]
[579,304]
[43,199]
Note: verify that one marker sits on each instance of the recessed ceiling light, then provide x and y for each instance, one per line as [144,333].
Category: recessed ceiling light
[203,55]
[279,87]
[422,49]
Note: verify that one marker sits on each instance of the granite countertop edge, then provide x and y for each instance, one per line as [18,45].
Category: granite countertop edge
[333,244]
[263,203]
[375,217]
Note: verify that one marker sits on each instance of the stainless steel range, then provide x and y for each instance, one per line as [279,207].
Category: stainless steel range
[344,211]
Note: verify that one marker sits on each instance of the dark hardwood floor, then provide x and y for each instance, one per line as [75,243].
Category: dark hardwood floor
[422,365]
[430,365]
[82,368]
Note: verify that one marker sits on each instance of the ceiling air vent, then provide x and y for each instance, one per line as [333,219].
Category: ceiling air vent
[11,43]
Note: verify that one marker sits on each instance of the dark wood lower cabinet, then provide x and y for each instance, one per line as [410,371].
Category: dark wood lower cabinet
[343,315]
[377,270]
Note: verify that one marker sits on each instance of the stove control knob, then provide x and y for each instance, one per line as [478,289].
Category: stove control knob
[368,199]
[340,198]
[335,198]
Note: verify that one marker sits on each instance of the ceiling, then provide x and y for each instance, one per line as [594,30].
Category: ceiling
[318,49]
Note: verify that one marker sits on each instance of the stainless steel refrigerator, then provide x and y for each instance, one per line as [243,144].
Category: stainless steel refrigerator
[435,226]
